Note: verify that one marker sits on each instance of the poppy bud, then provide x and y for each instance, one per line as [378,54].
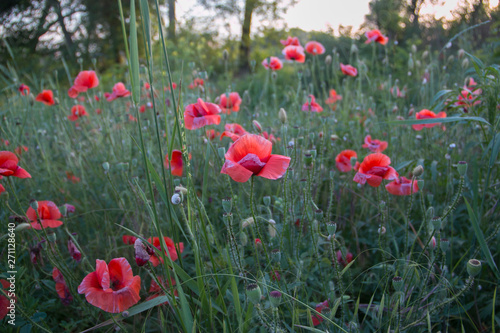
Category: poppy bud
[267,200]
[227,205]
[461,53]
[275,298]
[225,55]
[418,171]
[253,293]
[410,62]
[56,101]
[221,151]
[125,314]
[31,99]
[381,230]
[328,60]
[334,137]
[176,198]
[465,63]
[181,190]
[425,54]
[272,228]
[331,227]
[319,214]
[473,267]
[257,126]
[436,223]
[451,58]
[276,255]
[433,242]
[462,168]
[445,244]
[243,238]
[141,254]
[354,48]
[52,237]
[105,166]
[398,283]
[23,226]
[282,116]
[34,204]
[73,251]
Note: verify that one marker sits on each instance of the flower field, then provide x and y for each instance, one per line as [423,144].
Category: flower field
[322,191]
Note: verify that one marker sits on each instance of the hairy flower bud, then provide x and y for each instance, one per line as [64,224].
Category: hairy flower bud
[282,116]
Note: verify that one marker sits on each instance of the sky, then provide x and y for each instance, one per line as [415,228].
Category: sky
[319,14]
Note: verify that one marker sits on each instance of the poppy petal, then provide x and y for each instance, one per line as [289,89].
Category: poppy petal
[275,167]
[237,172]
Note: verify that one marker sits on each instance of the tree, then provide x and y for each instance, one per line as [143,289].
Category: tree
[171,20]
[271,9]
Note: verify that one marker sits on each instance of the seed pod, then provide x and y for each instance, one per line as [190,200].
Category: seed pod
[275,298]
[227,205]
[445,244]
[331,227]
[254,293]
[473,267]
[398,283]
[462,168]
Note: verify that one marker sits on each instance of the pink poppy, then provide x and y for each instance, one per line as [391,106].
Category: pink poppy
[77,111]
[61,287]
[426,114]
[9,167]
[402,186]
[46,97]
[119,90]
[295,53]
[251,155]
[171,250]
[111,287]
[312,105]
[49,215]
[230,105]
[343,160]
[290,41]
[315,48]
[333,97]
[84,80]
[375,146]
[348,70]
[176,163]
[376,36]
[316,319]
[201,114]
[24,89]
[272,63]
[233,131]
[373,169]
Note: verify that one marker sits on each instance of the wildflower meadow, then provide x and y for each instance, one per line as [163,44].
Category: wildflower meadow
[335,184]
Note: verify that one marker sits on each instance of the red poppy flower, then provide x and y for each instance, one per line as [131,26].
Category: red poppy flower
[4,301]
[73,251]
[398,93]
[176,163]
[61,287]
[171,249]
[46,97]
[468,98]
[157,291]
[233,131]
[376,36]
[312,105]
[374,168]
[196,83]
[128,240]
[49,215]
[426,114]
[343,160]
[5,142]
[113,287]
[201,114]
[142,109]
[273,63]
[315,48]
[70,176]
[131,117]
[270,137]
[340,258]
[290,41]
[19,150]
[24,89]
[119,90]
[333,97]
[9,167]
[348,70]
[402,186]
[251,155]
[174,85]
[212,134]
[77,111]
[231,104]
[318,319]
[84,80]
[295,53]
[375,146]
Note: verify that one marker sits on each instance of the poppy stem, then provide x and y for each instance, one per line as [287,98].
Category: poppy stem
[408,214]
[257,226]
